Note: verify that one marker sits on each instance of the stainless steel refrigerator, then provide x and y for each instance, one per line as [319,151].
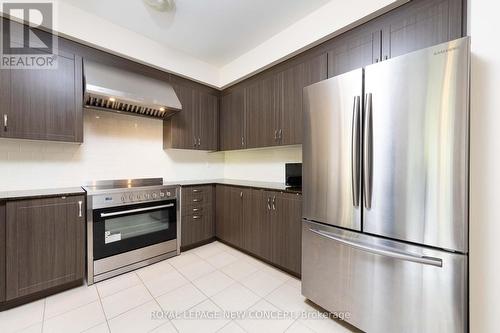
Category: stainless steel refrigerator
[385,192]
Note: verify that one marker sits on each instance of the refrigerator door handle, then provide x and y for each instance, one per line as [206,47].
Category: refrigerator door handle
[367,152]
[386,253]
[355,151]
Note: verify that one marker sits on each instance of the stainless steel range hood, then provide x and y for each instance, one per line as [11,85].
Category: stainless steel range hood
[112,89]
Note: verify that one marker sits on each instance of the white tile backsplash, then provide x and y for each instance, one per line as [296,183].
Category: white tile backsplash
[115,146]
[119,146]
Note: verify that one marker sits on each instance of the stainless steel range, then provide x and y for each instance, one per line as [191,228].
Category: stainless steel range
[130,224]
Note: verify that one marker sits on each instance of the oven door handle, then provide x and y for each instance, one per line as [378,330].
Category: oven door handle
[138,210]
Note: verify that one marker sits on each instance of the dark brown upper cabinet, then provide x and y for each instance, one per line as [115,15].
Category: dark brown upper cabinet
[291,84]
[273,99]
[354,49]
[43,104]
[45,244]
[196,126]
[421,24]
[207,120]
[232,120]
[262,112]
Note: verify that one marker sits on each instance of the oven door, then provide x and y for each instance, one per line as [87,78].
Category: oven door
[126,228]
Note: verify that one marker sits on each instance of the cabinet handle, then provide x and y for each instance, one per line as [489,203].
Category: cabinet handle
[376,59]
[242,141]
[275,135]
[197,200]
[268,203]
[386,57]
[194,144]
[80,208]
[197,191]
[280,134]
[241,194]
[274,203]
[199,141]
[196,210]
[196,217]
[5,122]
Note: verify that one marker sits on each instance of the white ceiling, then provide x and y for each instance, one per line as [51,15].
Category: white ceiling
[214,31]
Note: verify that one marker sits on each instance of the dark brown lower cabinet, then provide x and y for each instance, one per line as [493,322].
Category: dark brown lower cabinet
[44,244]
[197,211]
[265,223]
[286,232]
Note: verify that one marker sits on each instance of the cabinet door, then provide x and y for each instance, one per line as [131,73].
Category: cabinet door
[236,198]
[4,99]
[222,212]
[290,217]
[179,130]
[232,119]
[265,226]
[354,49]
[208,121]
[46,104]
[421,24]
[292,81]
[44,244]
[261,112]
[253,213]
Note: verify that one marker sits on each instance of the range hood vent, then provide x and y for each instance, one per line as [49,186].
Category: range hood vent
[111,89]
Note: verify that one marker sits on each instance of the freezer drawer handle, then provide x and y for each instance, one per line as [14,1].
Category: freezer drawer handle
[386,253]
[138,210]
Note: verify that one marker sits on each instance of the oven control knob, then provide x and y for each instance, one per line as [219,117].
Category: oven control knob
[162,194]
[154,195]
[146,196]
[168,194]
[138,197]
[131,197]
[123,198]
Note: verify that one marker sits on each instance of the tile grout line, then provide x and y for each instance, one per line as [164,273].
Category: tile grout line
[77,307]
[118,291]
[260,298]
[156,301]
[102,309]
[43,317]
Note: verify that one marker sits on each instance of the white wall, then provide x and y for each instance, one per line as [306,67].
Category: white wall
[115,146]
[262,164]
[485,168]
[88,28]
[330,20]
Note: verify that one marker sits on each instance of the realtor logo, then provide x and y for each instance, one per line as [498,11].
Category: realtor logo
[23,46]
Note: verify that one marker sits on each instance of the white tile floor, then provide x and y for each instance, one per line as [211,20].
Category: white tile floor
[214,278]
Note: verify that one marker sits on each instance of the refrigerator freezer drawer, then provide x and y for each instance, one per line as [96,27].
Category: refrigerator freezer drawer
[385,286]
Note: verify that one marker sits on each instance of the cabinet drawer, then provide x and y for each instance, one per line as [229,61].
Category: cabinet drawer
[197,227]
[197,195]
[197,208]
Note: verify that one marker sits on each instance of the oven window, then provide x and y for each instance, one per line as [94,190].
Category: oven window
[121,229]
[118,228]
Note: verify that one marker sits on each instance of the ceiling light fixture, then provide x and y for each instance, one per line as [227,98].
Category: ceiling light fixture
[160,5]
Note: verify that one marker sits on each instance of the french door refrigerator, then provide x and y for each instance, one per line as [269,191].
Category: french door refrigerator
[385,192]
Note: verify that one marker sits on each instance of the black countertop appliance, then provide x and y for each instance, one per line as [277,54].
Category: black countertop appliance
[293,175]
